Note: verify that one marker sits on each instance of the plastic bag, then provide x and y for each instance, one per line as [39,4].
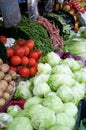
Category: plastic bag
[10,12]
[49,5]
[32,6]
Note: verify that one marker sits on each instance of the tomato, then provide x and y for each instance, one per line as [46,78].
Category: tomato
[24,72]
[30,44]
[39,52]
[10,52]
[20,42]
[33,54]
[32,62]
[26,50]
[3,39]
[32,71]
[14,47]
[15,60]
[19,51]
[13,68]
[24,60]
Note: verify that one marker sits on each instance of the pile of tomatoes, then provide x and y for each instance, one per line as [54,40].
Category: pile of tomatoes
[23,58]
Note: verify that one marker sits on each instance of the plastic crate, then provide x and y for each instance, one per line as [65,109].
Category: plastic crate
[81,113]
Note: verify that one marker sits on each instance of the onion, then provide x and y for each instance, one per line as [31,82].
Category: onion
[67,55]
[79,58]
[59,52]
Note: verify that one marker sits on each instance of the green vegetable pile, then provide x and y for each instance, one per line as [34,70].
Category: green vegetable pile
[38,33]
[53,96]
[65,29]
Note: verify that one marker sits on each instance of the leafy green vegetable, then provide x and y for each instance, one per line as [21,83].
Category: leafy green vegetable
[62,68]
[78,91]
[53,102]
[65,93]
[56,80]
[76,46]
[73,64]
[70,109]
[59,127]
[41,89]
[41,117]
[64,119]
[13,110]
[44,68]
[20,123]
[52,58]
[23,90]
[32,101]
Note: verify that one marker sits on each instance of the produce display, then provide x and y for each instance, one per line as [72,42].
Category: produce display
[7,83]
[43,70]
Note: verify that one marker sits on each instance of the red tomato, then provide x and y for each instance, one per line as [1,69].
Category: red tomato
[32,62]
[13,68]
[19,51]
[24,72]
[20,42]
[32,71]
[3,39]
[30,44]
[33,54]
[14,46]
[10,52]
[15,60]
[39,53]
[24,60]
[26,50]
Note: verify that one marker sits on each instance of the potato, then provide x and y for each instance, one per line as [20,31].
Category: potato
[12,83]
[4,67]
[8,77]
[3,85]
[6,96]
[10,89]
[1,75]
[2,102]
[13,74]
[1,93]
[1,61]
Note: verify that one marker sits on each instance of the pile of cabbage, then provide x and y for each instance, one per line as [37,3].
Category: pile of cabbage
[52,96]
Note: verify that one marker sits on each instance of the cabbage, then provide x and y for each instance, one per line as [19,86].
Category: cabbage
[40,78]
[80,76]
[41,117]
[77,46]
[23,90]
[32,101]
[78,92]
[5,119]
[41,89]
[70,109]
[64,119]
[56,80]
[13,110]
[59,127]
[62,68]
[20,123]
[73,64]
[52,58]
[65,93]
[44,68]
[53,102]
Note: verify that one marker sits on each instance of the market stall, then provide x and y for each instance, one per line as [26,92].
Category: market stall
[43,68]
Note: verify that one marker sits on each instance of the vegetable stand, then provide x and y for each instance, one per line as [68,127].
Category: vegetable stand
[44,64]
